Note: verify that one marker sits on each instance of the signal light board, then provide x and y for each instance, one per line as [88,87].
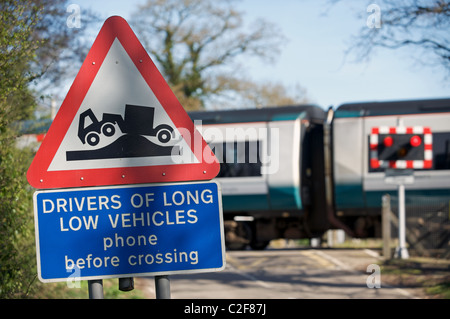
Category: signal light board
[401,147]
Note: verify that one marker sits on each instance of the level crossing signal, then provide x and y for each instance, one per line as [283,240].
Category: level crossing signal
[401,147]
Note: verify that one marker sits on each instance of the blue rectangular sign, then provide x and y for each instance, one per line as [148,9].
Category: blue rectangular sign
[128,231]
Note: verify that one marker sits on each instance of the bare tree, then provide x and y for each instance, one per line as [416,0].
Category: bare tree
[196,44]
[275,94]
[419,25]
[63,46]
[246,93]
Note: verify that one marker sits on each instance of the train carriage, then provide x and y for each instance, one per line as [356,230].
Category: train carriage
[271,162]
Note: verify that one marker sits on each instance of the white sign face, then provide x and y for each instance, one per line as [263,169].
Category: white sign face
[120,107]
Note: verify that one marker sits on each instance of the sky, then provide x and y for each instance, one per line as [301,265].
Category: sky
[318,34]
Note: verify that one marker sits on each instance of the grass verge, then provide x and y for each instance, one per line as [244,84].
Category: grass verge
[430,274]
[79,290]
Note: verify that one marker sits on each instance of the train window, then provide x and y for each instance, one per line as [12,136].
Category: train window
[441,150]
[238,159]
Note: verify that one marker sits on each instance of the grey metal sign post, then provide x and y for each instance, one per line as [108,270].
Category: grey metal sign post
[95,289]
[401,251]
[400,178]
[162,287]
[126,284]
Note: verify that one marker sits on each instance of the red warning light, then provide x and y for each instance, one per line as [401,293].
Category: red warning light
[388,141]
[415,141]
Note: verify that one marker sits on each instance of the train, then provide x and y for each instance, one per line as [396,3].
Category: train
[295,172]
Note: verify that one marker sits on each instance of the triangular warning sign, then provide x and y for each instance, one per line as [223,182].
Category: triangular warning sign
[120,123]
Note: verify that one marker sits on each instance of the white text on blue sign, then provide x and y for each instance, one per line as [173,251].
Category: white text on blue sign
[119,231]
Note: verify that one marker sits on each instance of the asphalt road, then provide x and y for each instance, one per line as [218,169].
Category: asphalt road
[285,274]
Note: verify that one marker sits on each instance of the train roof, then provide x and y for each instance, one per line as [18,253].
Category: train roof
[393,108]
[278,113]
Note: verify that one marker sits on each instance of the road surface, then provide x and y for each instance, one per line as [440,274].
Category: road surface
[286,274]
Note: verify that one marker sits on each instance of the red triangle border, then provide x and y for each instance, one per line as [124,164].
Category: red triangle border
[38,175]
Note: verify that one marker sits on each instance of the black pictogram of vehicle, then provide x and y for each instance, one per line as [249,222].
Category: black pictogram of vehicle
[138,120]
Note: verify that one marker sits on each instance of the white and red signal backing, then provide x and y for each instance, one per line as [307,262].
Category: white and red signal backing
[419,134]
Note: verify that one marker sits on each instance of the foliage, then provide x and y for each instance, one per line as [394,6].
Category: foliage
[431,274]
[197,44]
[80,290]
[34,36]
[62,48]
[441,289]
[421,26]
[249,94]
[16,103]
[17,251]
[16,51]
